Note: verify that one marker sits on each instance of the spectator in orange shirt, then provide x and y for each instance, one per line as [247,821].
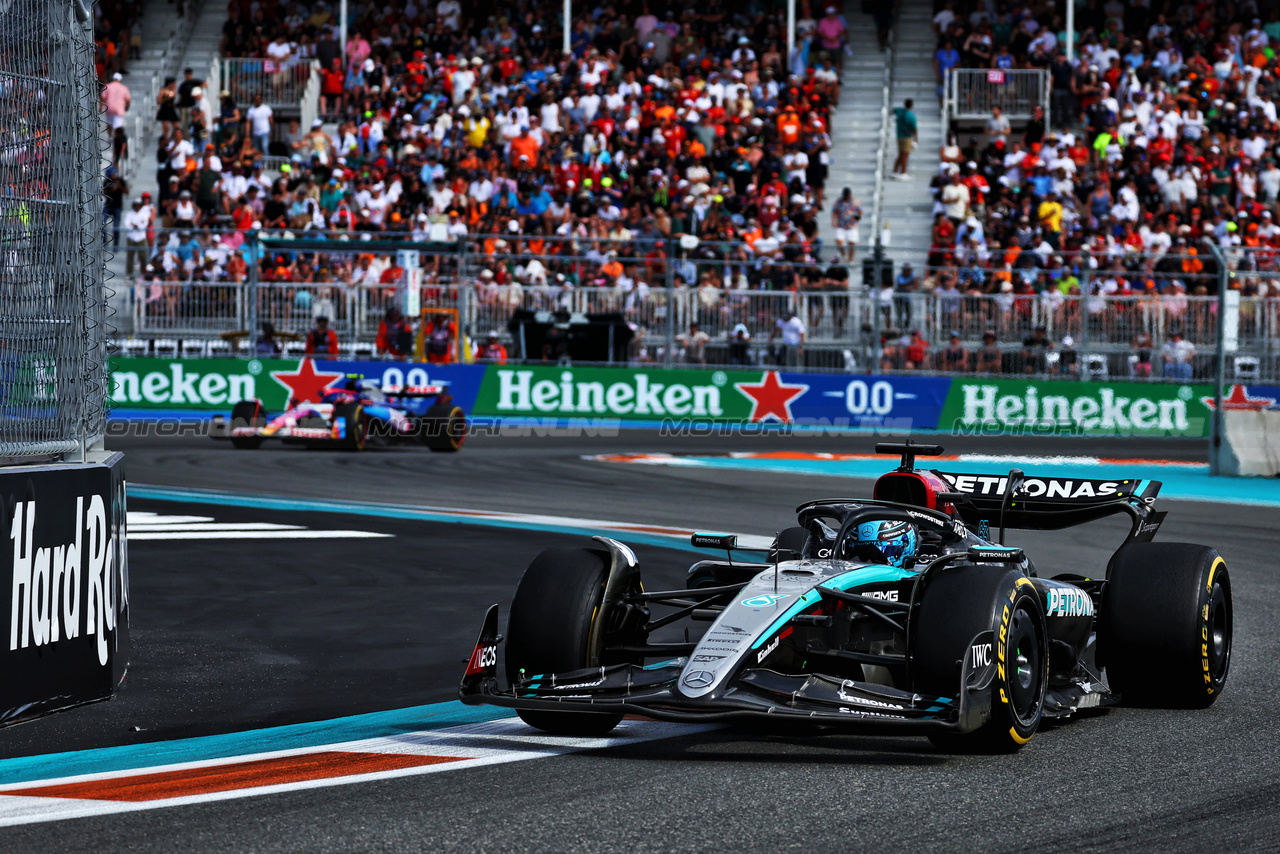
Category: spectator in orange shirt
[789,126]
[612,266]
[524,150]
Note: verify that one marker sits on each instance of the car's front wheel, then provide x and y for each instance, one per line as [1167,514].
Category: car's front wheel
[355,425]
[960,603]
[549,630]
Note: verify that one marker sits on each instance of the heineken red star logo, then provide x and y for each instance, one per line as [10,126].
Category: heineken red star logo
[1238,398]
[771,398]
[306,385]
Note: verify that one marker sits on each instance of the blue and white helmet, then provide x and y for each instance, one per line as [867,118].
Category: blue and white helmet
[895,540]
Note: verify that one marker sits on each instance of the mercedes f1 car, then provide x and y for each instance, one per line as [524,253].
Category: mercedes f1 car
[352,412]
[897,614]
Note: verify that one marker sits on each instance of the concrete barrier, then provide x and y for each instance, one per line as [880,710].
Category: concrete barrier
[1250,443]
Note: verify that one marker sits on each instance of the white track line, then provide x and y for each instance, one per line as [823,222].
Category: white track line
[212,526]
[487,743]
[256,535]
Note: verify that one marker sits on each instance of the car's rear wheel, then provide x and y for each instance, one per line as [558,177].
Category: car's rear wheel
[1165,625]
[957,605]
[549,630]
[247,413]
[355,426]
[444,428]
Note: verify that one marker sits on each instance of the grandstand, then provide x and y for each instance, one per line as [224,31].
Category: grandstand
[678,166]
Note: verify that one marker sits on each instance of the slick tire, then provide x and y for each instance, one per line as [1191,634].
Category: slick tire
[960,603]
[356,425]
[247,413]
[1164,628]
[444,428]
[549,629]
[789,544]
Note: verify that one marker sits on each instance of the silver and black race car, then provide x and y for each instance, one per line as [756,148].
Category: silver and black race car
[897,614]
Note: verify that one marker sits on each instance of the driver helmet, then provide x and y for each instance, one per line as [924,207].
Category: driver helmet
[894,540]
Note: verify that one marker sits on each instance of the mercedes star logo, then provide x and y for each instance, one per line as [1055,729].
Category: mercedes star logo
[699,678]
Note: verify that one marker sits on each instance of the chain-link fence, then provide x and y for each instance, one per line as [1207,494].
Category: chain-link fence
[1066,313]
[52,307]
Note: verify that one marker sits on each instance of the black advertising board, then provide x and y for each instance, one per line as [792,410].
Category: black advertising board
[64,570]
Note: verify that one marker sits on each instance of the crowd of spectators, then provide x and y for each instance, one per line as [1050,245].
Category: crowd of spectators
[1162,138]
[668,123]
[665,122]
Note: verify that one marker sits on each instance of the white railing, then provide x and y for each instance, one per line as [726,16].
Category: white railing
[877,197]
[281,84]
[1105,328]
[971,93]
[309,108]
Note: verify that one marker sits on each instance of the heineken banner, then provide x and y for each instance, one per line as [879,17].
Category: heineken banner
[217,384]
[891,403]
[1064,407]
[745,396]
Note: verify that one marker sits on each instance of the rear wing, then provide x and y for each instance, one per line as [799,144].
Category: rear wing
[415,390]
[1052,503]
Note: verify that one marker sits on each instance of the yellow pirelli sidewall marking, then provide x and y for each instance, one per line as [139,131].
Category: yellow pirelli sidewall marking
[1204,625]
[1013,733]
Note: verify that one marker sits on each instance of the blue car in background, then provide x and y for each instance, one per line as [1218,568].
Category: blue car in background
[352,413]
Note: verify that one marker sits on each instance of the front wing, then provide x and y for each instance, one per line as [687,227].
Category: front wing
[755,693]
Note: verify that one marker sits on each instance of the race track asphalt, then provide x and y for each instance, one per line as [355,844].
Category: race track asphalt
[239,634]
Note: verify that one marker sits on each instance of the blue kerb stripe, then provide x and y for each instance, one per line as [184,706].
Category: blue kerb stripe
[391,511]
[853,578]
[126,415]
[105,760]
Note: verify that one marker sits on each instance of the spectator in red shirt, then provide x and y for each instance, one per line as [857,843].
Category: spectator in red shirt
[321,340]
[917,351]
[332,91]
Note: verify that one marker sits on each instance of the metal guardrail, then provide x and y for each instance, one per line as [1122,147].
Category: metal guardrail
[660,297]
[971,93]
[1102,335]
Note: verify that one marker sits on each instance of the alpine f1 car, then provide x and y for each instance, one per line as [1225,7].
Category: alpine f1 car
[352,412]
[897,614]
